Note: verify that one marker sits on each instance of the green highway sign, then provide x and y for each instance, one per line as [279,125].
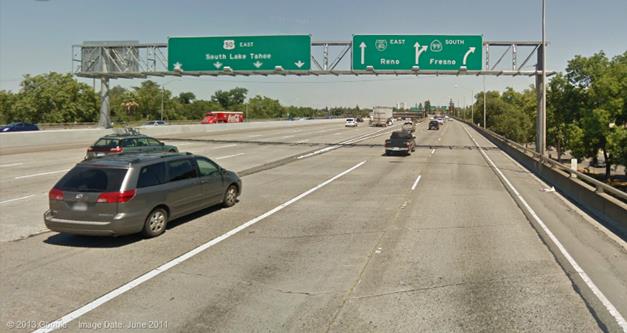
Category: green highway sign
[239,53]
[417,52]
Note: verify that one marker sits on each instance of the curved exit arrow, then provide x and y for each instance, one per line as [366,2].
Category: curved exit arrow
[419,51]
[470,50]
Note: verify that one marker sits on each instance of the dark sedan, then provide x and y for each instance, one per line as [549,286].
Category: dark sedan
[19,127]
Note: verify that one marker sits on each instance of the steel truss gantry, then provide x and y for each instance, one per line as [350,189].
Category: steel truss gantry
[131,60]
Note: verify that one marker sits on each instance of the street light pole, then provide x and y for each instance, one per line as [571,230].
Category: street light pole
[484,102]
[162,93]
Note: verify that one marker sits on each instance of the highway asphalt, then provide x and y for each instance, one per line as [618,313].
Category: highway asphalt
[346,240]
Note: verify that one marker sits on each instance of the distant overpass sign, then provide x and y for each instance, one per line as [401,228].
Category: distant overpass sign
[239,53]
[417,52]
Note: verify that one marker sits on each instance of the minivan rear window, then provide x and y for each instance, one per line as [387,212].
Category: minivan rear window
[90,179]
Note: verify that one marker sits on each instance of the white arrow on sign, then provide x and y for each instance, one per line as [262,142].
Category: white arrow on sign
[217,64]
[470,50]
[419,50]
[257,63]
[362,46]
[299,64]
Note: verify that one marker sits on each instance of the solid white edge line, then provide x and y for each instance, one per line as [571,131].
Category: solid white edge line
[63,321]
[41,174]
[432,151]
[413,187]
[584,276]
[16,199]
[619,241]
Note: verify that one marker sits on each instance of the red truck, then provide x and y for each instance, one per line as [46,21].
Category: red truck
[217,117]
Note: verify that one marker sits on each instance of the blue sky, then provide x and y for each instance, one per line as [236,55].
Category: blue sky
[36,37]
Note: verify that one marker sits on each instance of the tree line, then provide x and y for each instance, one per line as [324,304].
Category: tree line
[586,110]
[60,98]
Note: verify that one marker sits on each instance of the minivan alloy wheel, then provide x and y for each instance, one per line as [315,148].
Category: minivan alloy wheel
[156,222]
[230,197]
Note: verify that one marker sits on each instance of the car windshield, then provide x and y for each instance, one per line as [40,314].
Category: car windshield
[92,179]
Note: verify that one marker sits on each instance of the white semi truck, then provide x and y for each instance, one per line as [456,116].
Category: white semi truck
[381,116]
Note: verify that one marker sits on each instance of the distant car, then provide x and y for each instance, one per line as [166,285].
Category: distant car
[440,120]
[359,119]
[127,143]
[434,125]
[350,122]
[127,194]
[400,142]
[153,123]
[19,127]
[447,118]
[409,126]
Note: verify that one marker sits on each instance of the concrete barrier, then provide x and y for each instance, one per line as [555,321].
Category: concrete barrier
[14,141]
[610,211]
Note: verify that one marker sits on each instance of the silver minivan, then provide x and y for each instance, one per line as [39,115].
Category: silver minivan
[127,194]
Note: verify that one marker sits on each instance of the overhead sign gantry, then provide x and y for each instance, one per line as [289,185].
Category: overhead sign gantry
[298,55]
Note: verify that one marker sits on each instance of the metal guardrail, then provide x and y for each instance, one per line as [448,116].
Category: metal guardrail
[599,187]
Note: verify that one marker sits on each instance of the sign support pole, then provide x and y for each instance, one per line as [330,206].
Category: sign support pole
[105,112]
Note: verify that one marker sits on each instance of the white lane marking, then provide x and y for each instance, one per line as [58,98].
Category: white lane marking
[225,146]
[182,144]
[228,156]
[16,199]
[439,139]
[286,137]
[254,136]
[62,322]
[584,276]
[357,139]
[41,174]
[432,151]
[302,141]
[413,187]
[338,133]
[10,165]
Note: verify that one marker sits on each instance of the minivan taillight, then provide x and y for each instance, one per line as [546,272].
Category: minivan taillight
[55,194]
[117,149]
[116,197]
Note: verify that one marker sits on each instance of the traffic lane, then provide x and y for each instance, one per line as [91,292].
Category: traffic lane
[259,133]
[329,134]
[602,257]
[461,256]
[289,271]
[20,164]
[40,272]
[22,200]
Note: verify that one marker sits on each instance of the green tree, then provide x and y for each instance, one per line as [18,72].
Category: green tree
[7,99]
[264,107]
[231,98]
[54,98]
[186,97]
